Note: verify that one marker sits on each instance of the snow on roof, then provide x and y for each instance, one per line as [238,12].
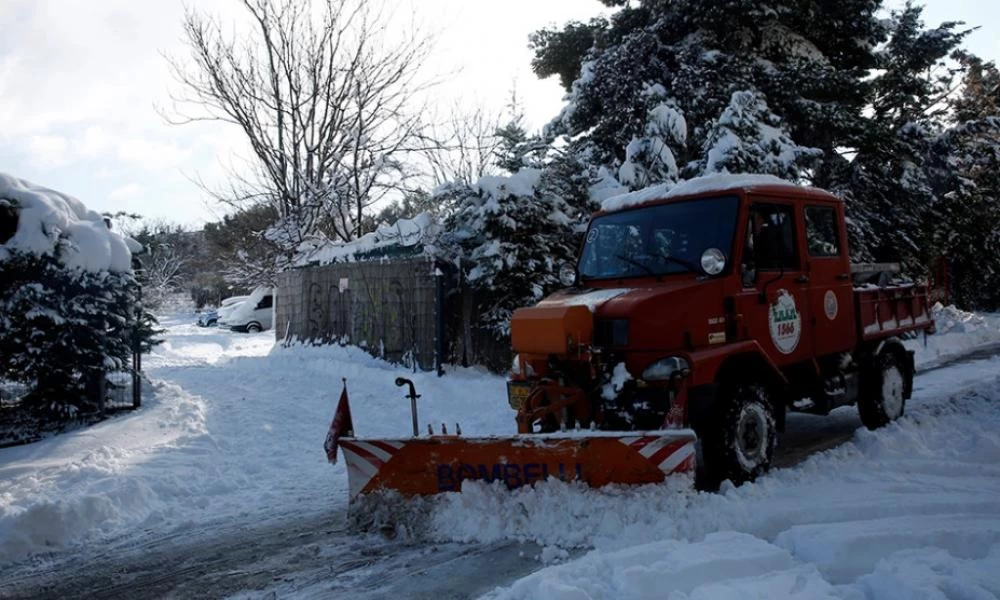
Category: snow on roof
[47,219]
[698,185]
[405,233]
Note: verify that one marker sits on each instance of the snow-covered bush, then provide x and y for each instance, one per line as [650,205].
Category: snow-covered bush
[69,303]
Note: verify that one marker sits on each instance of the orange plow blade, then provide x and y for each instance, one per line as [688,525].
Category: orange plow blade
[431,465]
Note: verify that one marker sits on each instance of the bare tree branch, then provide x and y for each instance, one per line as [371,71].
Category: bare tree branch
[323,92]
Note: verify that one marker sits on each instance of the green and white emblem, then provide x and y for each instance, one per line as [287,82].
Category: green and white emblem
[785,323]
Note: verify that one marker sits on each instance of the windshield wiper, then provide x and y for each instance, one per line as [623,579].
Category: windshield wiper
[690,266]
[633,261]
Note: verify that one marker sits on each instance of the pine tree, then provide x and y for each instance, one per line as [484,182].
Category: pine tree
[749,138]
[964,168]
[514,238]
[699,54]
[887,187]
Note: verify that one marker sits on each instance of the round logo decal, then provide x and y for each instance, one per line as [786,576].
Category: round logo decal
[830,305]
[592,235]
[785,323]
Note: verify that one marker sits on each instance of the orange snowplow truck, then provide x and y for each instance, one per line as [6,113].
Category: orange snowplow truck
[695,317]
[718,307]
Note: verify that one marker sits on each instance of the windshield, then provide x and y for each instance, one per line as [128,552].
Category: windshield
[658,240]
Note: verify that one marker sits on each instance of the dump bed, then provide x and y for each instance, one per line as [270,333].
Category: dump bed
[886,311]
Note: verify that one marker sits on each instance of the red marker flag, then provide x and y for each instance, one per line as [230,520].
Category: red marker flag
[340,426]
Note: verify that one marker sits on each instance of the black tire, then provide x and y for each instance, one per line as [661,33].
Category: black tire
[883,392]
[740,442]
[254,328]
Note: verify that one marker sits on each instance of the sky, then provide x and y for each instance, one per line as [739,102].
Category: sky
[81,83]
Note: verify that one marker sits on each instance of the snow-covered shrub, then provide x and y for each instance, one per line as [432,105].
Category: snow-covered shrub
[69,303]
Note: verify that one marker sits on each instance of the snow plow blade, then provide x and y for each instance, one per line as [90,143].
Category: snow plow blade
[432,465]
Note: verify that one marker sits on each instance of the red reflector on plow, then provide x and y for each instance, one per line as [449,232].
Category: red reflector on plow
[422,466]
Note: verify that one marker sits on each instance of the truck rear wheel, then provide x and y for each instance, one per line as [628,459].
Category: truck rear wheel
[740,444]
[883,392]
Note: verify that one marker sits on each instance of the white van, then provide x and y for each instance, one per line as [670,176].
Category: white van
[252,315]
[210,317]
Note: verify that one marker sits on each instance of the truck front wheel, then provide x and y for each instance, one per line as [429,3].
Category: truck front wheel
[740,444]
[883,392]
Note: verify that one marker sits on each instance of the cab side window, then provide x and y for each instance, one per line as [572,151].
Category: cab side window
[770,241]
[266,302]
[821,231]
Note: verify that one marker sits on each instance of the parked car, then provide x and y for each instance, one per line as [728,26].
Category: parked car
[252,315]
[210,317]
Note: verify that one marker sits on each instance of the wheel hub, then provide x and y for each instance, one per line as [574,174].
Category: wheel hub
[892,392]
[752,437]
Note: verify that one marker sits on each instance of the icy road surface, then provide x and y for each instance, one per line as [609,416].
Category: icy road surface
[219,487]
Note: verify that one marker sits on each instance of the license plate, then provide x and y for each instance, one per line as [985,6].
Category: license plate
[517,393]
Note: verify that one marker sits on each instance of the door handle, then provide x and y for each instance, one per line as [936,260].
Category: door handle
[802,279]
[843,277]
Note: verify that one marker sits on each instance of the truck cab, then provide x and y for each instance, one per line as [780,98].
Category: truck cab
[716,305]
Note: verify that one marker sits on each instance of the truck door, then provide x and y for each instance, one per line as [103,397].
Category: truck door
[774,298]
[831,293]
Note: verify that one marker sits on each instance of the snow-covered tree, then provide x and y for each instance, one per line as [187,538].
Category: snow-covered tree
[749,138]
[69,302]
[513,239]
[697,55]
[887,187]
[649,158]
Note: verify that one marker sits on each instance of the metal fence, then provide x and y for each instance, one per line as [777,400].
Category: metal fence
[122,391]
[115,392]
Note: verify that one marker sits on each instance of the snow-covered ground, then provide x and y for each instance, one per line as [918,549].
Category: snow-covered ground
[231,433]
[912,511]
[232,428]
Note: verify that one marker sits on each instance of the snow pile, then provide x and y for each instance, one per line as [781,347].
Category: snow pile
[958,332]
[52,223]
[911,507]
[405,233]
[698,185]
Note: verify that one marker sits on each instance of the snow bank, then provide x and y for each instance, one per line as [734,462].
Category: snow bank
[698,185]
[907,511]
[48,220]
[958,332]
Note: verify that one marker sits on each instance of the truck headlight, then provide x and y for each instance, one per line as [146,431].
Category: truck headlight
[666,368]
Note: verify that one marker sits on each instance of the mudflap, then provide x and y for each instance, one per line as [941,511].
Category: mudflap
[433,465]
